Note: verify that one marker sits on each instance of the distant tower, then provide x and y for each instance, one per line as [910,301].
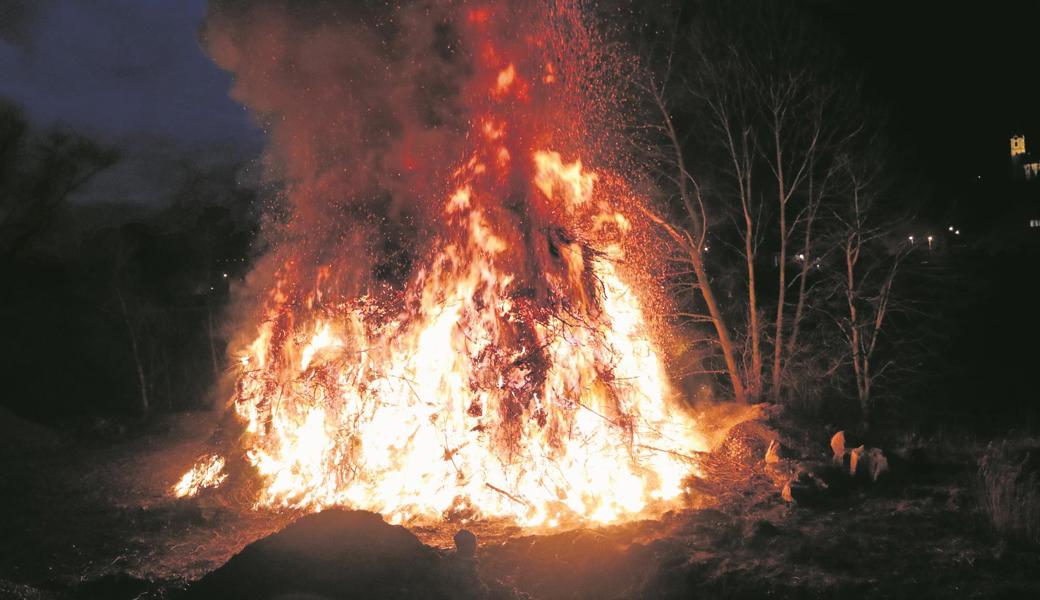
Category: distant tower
[1018,145]
[1023,165]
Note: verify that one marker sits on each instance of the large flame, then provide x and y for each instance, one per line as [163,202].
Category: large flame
[514,374]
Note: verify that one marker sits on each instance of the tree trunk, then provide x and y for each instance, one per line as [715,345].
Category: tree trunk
[142,381]
[754,330]
[740,394]
[855,336]
[865,401]
[695,247]
[884,296]
[210,337]
[799,309]
[778,343]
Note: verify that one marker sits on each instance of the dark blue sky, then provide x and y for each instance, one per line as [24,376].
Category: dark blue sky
[129,73]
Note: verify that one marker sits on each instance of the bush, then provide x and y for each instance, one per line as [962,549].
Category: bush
[1008,485]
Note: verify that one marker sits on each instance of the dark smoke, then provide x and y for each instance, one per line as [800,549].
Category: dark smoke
[369,107]
[361,105]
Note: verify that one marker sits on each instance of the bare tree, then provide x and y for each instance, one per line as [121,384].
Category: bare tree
[762,143]
[729,108]
[816,191]
[759,125]
[137,317]
[795,124]
[872,252]
[691,240]
[135,352]
[38,174]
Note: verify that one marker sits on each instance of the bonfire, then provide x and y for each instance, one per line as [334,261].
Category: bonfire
[460,320]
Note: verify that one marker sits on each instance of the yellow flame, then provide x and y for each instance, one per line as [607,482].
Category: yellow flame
[505,79]
[554,175]
[207,472]
[451,406]
[459,200]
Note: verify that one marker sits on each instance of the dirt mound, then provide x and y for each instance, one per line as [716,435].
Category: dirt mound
[737,466]
[341,554]
[746,443]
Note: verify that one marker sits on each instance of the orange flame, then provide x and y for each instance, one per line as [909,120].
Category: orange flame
[517,376]
[207,472]
[406,418]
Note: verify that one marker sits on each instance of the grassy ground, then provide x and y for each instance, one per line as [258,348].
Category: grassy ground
[89,518]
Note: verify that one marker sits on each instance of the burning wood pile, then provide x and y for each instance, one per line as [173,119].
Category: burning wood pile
[453,318]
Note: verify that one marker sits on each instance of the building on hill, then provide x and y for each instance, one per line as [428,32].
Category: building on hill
[1024,166]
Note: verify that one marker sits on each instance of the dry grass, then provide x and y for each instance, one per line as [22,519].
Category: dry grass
[1008,485]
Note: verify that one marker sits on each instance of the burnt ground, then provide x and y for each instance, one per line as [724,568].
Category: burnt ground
[88,515]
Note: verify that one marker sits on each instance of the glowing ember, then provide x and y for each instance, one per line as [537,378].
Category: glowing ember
[207,472]
[512,373]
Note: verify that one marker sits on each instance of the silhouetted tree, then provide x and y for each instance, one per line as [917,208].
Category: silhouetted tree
[762,145]
[38,174]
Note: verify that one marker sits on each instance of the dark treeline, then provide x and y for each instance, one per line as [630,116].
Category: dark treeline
[840,277]
[110,310]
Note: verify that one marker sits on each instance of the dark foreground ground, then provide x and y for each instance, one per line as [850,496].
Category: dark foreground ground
[89,516]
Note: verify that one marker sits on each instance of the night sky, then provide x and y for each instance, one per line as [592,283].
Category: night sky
[953,79]
[129,73]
